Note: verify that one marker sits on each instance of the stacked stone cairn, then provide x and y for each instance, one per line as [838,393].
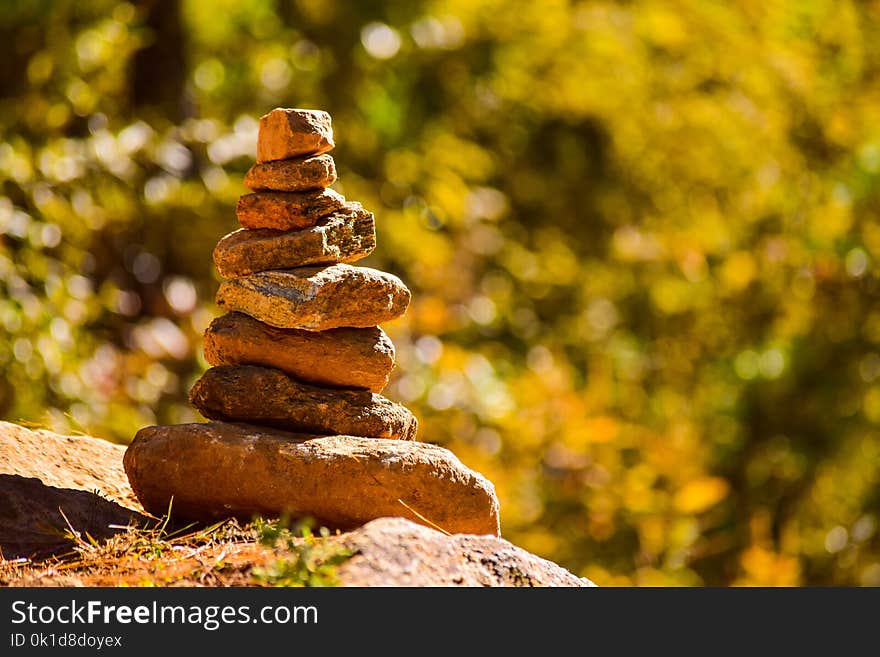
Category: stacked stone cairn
[298,426]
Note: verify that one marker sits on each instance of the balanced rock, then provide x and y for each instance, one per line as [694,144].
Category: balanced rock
[287,210]
[317,298]
[342,357]
[287,133]
[269,397]
[215,470]
[344,236]
[296,175]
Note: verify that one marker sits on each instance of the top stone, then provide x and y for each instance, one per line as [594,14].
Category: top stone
[287,133]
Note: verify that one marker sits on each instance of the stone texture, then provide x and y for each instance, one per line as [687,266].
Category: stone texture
[215,470]
[42,472]
[344,236]
[287,133]
[297,175]
[270,397]
[287,210]
[343,357]
[398,552]
[317,298]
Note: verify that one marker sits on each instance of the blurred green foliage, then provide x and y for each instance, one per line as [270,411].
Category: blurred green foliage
[641,236]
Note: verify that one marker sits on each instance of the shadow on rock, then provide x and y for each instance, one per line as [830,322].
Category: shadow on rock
[32,526]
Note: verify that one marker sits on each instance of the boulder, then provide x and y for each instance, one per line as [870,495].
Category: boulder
[398,552]
[287,133]
[317,298]
[342,357]
[219,469]
[297,175]
[270,397]
[344,236]
[46,477]
[287,210]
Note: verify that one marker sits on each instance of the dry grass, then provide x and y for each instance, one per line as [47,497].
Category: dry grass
[224,554]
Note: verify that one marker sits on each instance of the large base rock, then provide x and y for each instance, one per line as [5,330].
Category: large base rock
[341,358]
[218,469]
[270,397]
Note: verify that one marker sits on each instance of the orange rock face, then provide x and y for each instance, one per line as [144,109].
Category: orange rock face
[343,357]
[287,133]
[297,175]
[269,397]
[317,298]
[287,210]
[344,236]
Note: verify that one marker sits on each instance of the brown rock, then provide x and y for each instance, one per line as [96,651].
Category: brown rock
[287,210]
[317,298]
[344,236]
[270,397]
[297,175]
[215,470]
[397,552]
[287,133]
[343,357]
[43,474]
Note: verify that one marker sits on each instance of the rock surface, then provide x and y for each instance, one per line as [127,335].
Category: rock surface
[270,397]
[386,552]
[218,469]
[343,357]
[397,552]
[317,298]
[287,133]
[297,175]
[344,236]
[287,210]
[42,472]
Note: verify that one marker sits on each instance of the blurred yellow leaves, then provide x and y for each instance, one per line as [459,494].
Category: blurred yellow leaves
[600,429]
[763,567]
[701,494]
[738,271]
[871,404]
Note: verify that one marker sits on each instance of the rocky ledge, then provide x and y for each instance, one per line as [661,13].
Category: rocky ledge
[49,482]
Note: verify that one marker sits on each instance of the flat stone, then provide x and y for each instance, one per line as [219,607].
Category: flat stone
[287,210]
[296,175]
[287,133]
[216,470]
[344,236]
[269,397]
[342,357]
[317,298]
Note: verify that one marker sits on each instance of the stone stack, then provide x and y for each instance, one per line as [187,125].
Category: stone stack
[298,425]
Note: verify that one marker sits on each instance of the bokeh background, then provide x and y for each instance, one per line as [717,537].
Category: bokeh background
[641,237]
